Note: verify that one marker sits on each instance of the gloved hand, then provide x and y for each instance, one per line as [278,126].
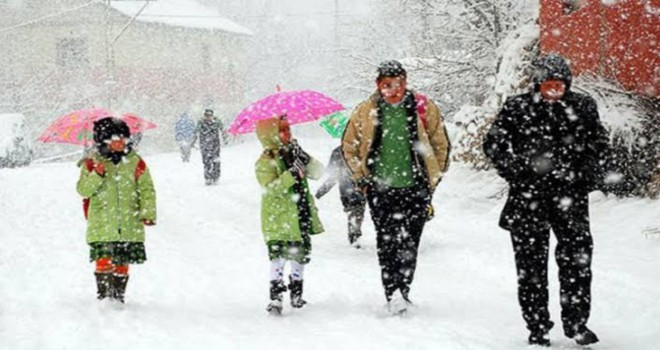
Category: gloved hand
[147,222]
[99,168]
[362,185]
[298,168]
[430,212]
[359,195]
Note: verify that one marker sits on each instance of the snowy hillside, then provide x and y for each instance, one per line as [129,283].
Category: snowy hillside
[205,284]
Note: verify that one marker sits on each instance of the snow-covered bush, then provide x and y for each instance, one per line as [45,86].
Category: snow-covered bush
[515,55]
[15,149]
[634,126]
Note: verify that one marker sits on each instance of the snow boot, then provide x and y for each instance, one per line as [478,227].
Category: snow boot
[356,243]
[276,290]
[539,336]
[119,287]
[405,294]
[103,285]
[296,288]
[396,305]
[582,335]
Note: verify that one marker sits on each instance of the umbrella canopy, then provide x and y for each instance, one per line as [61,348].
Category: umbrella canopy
[335,123]
[76,127]
[137,124]
[299,106]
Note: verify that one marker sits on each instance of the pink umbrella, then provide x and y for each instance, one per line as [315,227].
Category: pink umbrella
[76,127]
[137,124]
[299,106]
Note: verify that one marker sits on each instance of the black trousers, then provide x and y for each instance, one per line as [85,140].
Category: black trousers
[568,217]
[211,162]
[355,218]
[399,215]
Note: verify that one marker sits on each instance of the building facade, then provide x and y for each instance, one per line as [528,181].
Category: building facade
[173,57]
[617,40]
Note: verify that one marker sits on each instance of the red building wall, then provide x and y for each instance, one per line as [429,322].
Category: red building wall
[618,41]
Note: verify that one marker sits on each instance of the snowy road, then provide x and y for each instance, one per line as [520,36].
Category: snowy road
[205,284]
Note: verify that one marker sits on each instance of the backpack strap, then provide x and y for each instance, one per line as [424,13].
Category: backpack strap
[140,169]
[421,108]
[89,165]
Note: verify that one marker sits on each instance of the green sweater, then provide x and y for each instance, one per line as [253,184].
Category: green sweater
[394,165]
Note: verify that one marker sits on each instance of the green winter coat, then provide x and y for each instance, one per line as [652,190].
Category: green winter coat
[279,210]
[118,201]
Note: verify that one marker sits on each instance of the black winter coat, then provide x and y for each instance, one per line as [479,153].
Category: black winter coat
[546,150]
[209,135]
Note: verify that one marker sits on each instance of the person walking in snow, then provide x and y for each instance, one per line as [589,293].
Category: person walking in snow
[184,134]
[352,199]
[288,215]
[397,156]
[208,130]
[549,145]
[119,201]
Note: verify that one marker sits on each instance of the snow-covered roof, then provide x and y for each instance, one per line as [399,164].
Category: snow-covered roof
[180,13]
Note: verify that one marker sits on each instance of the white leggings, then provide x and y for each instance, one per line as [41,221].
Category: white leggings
[277,269]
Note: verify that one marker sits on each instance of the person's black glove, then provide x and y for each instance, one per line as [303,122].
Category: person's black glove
[296,152]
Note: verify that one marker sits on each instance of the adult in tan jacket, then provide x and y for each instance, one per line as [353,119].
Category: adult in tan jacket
[397,150]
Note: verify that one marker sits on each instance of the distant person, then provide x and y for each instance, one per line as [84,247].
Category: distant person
[208,131]
[184,134]
[353,200]
[120,201]
[288,215]
[550,147]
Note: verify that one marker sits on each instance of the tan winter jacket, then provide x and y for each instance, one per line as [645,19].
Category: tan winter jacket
[433,148]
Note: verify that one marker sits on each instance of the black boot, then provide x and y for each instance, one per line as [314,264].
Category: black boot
[539,336]
[119,287]
[582,335]
[405,293]
[103,285]
[296,288]
[276,290]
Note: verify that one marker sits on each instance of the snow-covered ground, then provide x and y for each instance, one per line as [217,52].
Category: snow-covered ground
[205,285]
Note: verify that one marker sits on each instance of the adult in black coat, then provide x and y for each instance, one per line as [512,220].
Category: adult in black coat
[352,199]
[209,130]
[551,147]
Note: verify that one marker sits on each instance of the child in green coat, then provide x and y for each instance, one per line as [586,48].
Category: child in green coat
[119,201]
[288,214]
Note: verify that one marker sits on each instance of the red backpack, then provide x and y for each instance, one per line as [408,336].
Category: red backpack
[89,165]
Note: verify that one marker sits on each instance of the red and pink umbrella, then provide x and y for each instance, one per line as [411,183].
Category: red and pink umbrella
[76,127]
[137,124]
[299,106]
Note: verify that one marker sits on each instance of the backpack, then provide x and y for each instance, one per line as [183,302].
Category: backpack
[89,165]
[421,111]
[421,108]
